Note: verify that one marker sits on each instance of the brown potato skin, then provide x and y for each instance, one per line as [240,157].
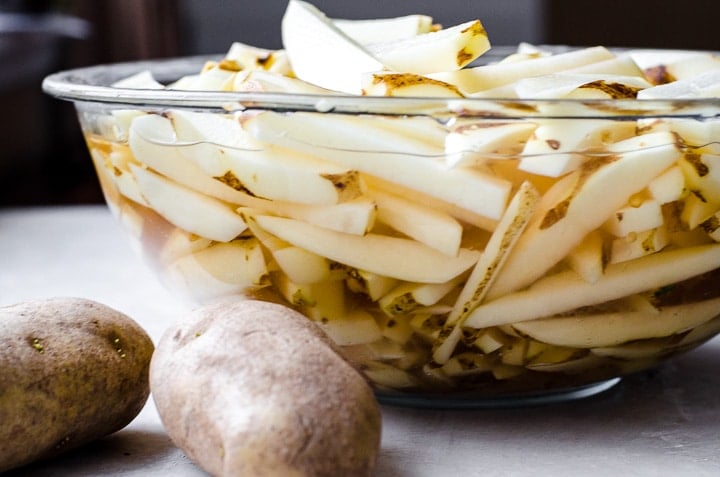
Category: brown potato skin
[251,388]
[71,371]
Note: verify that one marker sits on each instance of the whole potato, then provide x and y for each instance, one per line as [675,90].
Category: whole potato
[251,388]
[71,371]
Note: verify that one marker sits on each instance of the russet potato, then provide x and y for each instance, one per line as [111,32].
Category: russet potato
[253,388]
[71,371]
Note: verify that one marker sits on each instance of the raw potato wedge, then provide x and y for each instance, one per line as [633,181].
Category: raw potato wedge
[300,266]
[622,64]
[588,258]
[407,84]
[71,371]
[409,296]
[388,256]
[219,270]
[566,291]
[559,227]
[187,209]
[321,53]
[141,80]
[612,329]
[385,29]
[556,146]
[418,222]
[267,82]
[586,86]
[475,142]
[448,49]
[152,140]
[251,58]
[491,261]
[264,393]
[214,155]
[471,80]
[356,327]
[360,144]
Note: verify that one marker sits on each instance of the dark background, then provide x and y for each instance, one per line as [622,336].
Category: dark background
[43,160]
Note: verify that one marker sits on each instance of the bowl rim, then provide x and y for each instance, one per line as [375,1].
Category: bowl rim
[83,85]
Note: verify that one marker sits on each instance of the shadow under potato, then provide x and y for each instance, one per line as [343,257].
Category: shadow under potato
[127,452]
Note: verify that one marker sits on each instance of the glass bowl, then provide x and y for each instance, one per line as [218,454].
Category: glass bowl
[462,252]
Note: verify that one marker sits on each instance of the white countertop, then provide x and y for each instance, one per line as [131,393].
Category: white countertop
[663,422]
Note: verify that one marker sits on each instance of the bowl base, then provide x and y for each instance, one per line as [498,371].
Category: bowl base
[512,401]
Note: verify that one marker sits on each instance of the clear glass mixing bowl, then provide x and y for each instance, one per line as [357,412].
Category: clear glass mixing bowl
[462,252]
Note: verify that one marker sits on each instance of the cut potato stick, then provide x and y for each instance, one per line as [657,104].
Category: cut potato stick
[356,327]
[371,284]
[192,164]
[187,209]
[493,257]
[180,243]
[278,174]
[669,186]
[211,78]
[558,228]
[706,85]
[472,80]
[557,145]
[429,226]
[220,147]
[217,129]
[115,179]
[267,82]
[423,128]
[491,262]
[588,259]
[693,65]
[360,144]
[252,58]
[152,141]
[353,217]
[409,296]
[384,29]
[389,376]
[324,300]
[387,187]
[474,142]
[142,80]
[635,218]
[638,244]
[620,65]
[701,333]
[637,350]
[571,366]
[300,266]
[407,84]
[563,85]
[219,270]
[330,135]
[448,49]
[566,291]
[196,149]
[612,329]
[268,240]
[321,53]
[702,176]
[399,258]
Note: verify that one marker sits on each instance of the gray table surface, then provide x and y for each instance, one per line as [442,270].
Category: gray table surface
[662,422]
